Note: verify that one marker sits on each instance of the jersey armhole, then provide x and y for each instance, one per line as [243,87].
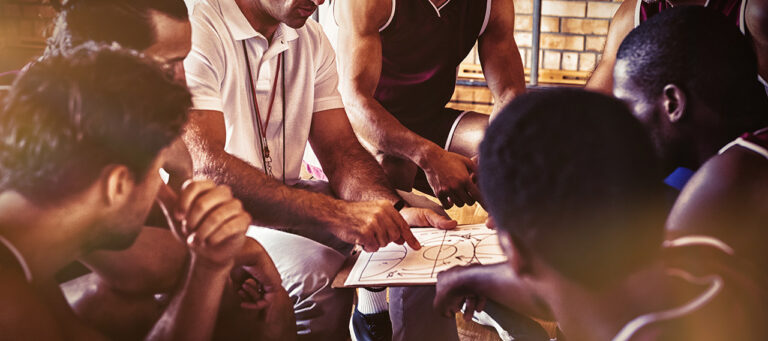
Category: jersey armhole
[487,16]
[637,12]
[391,16]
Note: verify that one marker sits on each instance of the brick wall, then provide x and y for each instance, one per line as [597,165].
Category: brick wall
[23,24]
[572,33]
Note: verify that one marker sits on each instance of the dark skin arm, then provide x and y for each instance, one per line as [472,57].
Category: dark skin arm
[500,57]
[622,23]
[477,283]
[360,60]
[757,26]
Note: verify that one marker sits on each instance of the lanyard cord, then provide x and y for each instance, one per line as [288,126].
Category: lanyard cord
[265,157]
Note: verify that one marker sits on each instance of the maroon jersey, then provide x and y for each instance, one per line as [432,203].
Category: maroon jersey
[756,142]
[422,47]
[732,9]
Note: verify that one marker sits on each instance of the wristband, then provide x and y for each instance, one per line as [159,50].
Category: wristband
[399,205]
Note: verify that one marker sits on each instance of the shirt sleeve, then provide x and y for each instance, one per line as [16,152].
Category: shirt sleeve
[327,79]
[204,67]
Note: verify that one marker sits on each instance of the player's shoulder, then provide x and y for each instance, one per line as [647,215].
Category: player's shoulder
[24,315]
[624,20]
[375,12]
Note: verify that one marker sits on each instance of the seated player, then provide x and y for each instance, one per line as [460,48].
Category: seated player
[80,155]
[750,16]
[690,115]
[155,264]
[582,224]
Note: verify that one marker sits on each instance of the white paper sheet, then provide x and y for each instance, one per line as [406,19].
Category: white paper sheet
[441,250]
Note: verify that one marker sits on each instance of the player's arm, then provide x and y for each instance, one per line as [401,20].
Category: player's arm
[474,284]
[499,55]
[757,26]
[154,263]
[360,56]
[622,23]
[360,61]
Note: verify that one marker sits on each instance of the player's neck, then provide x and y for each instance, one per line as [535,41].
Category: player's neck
[678,3]
[258,17]
[438,3]
[48,239]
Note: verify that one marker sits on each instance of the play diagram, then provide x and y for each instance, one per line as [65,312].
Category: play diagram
[441,250]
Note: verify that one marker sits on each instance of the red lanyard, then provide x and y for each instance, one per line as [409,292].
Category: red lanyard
[266,158]
[263,126]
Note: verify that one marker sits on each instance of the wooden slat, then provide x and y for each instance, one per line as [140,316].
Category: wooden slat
[475,72]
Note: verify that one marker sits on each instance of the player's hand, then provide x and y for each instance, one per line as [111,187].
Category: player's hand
[372,224]
[259,287]
[209,220]
[254,275]
[454,288]
[450,177]
[426,217]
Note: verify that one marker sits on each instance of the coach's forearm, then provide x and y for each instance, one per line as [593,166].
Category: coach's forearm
[356,176]
[269,202]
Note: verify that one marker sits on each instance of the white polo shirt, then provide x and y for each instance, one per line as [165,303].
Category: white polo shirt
[217,77]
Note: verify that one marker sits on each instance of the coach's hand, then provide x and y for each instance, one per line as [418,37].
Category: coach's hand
[371,224]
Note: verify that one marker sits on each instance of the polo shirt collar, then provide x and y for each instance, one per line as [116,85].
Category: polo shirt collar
[241,29]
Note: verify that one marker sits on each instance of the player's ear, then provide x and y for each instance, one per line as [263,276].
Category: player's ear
[674,102]
[117,184]
[516,257]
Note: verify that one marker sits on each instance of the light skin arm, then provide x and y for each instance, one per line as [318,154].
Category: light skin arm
[212,224]
[360,60]
[353,173]
[371,224]
[500,57]
[622,23]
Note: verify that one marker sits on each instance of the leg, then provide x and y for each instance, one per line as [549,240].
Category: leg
[469,132]
[414,318]
[411,311]
[307,269]
[119,315]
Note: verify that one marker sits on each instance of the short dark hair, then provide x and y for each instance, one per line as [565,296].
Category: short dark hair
[127,22]
[573,177]
[69,116]
[705,54]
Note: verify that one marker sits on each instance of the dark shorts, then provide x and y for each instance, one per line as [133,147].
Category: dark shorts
[438,127]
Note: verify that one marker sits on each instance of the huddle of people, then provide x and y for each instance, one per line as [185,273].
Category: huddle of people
[150,174]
